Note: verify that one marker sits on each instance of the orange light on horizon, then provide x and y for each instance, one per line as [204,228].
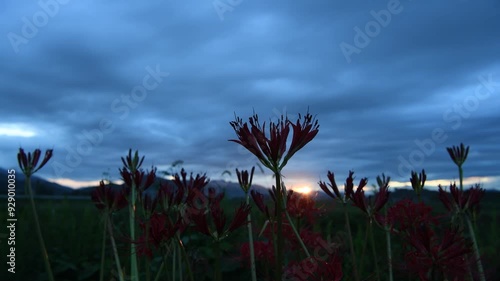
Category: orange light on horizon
[303,189]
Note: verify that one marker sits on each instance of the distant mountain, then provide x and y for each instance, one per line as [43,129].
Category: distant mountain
[232,189]
[39,185]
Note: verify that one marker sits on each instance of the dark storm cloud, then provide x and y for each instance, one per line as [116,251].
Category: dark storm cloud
[93,79]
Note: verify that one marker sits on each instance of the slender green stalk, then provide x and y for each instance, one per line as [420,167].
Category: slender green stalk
[174,249]
[297,234]
[103,247]
[351,244]
[389,250]
[253,268]
[279,235]
[374,251]
[162,265]
[217,271]
[115,250]
[134,273]
[43,250]
[186,259]
[179,261]
[461,175]
[477,255]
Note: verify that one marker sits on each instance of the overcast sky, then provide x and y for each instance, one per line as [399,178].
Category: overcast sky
[391,83]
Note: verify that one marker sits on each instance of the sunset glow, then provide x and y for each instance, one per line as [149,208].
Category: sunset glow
[303,190]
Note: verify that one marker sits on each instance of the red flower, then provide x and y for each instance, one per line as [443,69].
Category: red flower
[263,252]
[333,185]
[458,200]
[202,224]
[446,256]
[315,269]
[458,154]
[107,198]
[156,231]
[270,150]
[406,215]
[418,181]
[28,163]
[302,206]
[244,179]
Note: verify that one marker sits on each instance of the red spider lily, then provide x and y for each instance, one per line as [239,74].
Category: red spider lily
[156,231]
[106,198]
[458,200]
[192,186]
[302,206]
[258,198]
[270,150]
[244,179]
[315,269]
[169,197]
[201,221]
[214,197]
[28,163]
[333,185]
[142,179]
[263,252]
[418,181]
[381,197]
[303,133]
[406,215]
[132,163]
[446,256]
[458,154]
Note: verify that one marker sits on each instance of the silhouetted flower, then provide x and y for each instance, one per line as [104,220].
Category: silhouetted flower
[458,154]
[140,178]
[218,219]
[457,200]
[333,185]
[406,215]
[132,163]
[108,198]
[418,181]
[270,150]
[447,257]
[156,231]
[28,163]
[245,179]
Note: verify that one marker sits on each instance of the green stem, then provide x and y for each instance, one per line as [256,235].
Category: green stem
[389,250]
[297,234]
[174,249]
[374,251]
[162,265]
[461,175]
[186,260]
[115,251]
[43,250]
[134,273]
[217,272]
[477,255]
[103,247]
[279,220]
[351,244]
[253,268]
[179,261]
